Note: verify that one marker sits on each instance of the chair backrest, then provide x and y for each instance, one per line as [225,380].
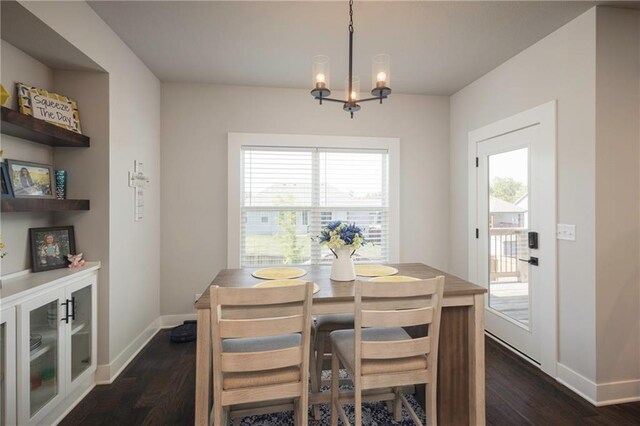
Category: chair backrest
[398,304]
[260,312]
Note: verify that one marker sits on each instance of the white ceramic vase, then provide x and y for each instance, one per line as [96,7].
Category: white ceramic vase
[342,268]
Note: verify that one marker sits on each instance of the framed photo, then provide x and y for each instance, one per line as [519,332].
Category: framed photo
[50,107]
[50,247]
[31,179]
[7,191]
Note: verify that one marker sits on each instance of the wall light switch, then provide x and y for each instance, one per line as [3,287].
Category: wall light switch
[566,232]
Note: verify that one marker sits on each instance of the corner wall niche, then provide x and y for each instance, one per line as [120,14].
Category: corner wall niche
[28,128]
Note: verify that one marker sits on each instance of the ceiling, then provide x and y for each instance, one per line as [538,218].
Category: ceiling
[436,47]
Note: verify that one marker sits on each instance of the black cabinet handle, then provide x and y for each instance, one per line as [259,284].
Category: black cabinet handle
[66,311]
[73,308]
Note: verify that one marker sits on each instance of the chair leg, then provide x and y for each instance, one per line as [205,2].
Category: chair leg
[316,372]
[357,401]
[296,414]
[303,406]
[335,391]
[431,407]
[218,414]
[397,409]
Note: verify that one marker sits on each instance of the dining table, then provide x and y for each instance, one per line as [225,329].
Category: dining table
[461,362]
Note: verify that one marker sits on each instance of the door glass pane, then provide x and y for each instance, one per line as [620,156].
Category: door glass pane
[81,331]
[3,383]
[508,229]
[43,372]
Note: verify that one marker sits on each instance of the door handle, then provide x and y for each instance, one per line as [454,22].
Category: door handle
[531,261]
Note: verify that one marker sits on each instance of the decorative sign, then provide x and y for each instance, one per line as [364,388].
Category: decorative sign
[51,110]
[51,107]
[138,181]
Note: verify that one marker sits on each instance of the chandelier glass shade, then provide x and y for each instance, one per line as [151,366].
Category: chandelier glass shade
[380,76]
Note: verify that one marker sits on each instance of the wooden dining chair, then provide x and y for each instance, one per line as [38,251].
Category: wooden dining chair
[378,353]
[261,342]
[321,347]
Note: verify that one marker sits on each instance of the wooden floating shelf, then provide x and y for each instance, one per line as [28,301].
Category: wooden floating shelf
[26,127]
[10,205]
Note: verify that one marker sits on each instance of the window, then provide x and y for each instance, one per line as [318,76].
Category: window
[300,183]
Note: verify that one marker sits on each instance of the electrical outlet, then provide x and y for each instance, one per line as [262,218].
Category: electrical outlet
[197,297]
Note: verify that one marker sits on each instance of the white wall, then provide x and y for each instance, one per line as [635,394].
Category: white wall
[617,196]
[134,134]
[562,67]
[195,122]
[20,67]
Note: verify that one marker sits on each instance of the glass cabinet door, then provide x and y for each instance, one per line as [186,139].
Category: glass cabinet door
[7,367]
[41,340]
[81,311]
[43,355]
[3,372]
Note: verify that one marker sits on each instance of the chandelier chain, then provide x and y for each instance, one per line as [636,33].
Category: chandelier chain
[351,16]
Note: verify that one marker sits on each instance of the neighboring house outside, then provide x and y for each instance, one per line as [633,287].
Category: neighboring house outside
[266,222]
[504,214]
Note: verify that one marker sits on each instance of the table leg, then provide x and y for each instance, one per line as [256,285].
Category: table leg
[203,368]
[476,361]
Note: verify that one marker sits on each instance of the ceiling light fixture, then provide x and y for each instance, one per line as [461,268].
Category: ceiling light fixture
[380,77]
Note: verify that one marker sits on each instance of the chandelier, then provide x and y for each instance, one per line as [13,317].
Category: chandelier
[380,77]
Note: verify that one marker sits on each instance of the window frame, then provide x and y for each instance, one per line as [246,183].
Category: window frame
[234,152]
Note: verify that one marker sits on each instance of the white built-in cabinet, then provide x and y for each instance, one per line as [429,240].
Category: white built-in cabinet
[54,342]
[8,366]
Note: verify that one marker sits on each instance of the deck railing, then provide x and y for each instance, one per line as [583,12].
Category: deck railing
[506,245]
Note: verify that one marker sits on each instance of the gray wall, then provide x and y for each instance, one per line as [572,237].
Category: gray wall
[133,134]
[592,67]
[561,66]
[20,67]
[617,171]
[195,121]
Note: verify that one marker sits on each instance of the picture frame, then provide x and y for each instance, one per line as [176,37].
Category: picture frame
[49,247]
[31,180]
[48,106]
[7,189]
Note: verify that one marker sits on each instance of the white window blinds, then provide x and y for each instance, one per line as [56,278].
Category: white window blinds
[288,194]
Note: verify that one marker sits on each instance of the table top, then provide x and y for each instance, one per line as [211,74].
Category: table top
[333,291]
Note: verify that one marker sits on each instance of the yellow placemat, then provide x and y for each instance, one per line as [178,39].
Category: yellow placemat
[286,283]
[279,273]
[394,279]
[375,270]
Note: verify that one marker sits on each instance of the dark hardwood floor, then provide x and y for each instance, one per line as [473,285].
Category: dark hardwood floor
[157,388]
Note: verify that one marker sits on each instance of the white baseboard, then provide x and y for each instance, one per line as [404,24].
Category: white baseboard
[107,373]
[578,383]
[618,392]
[74,404]
[599,394]
[168,321]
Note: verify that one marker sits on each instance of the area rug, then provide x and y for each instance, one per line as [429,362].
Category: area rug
[373,414]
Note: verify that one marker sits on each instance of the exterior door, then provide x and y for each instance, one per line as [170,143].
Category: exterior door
[513,253]
[504,196]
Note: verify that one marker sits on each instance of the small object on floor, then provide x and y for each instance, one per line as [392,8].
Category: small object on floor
[184,333]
